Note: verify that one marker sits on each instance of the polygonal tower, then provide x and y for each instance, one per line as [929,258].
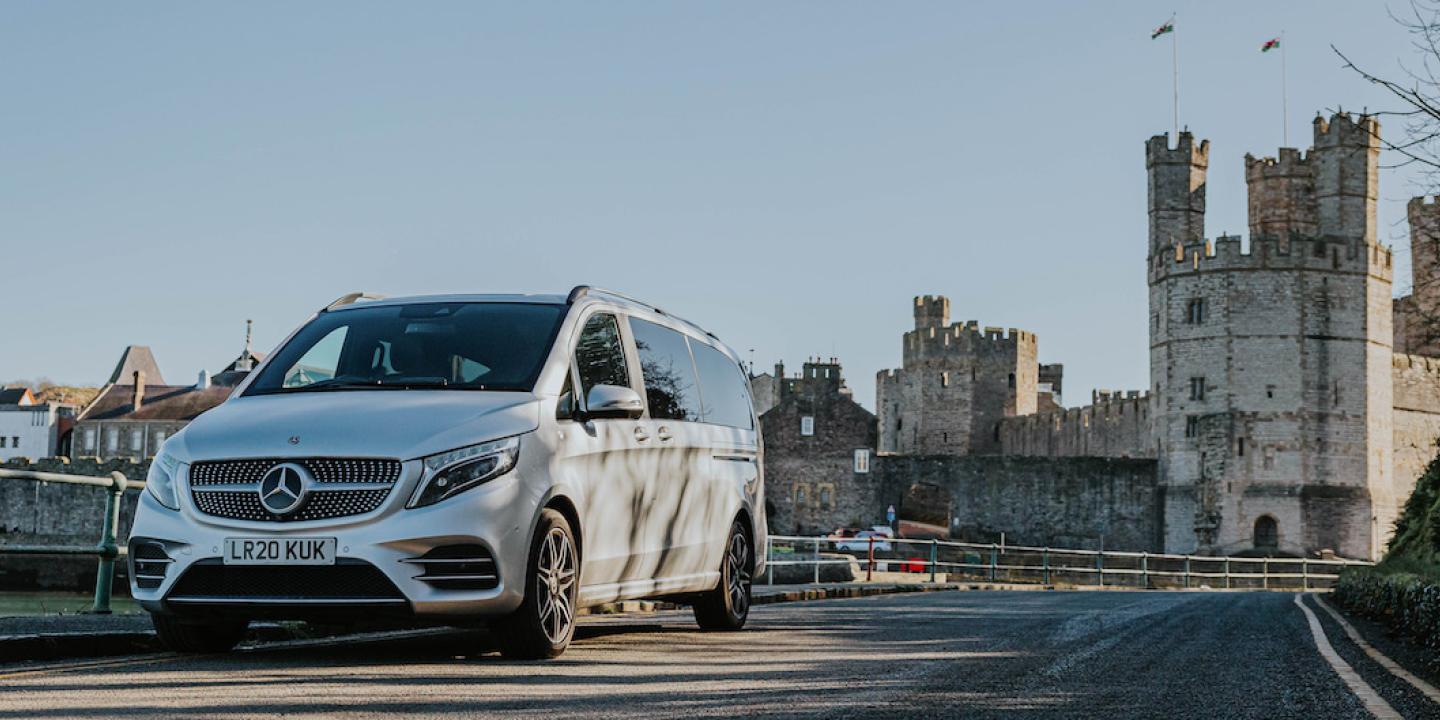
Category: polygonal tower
[1270,368]
[954,385]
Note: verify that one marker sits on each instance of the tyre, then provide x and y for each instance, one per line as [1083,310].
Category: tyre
[216,636]
[728,605]
[544,623]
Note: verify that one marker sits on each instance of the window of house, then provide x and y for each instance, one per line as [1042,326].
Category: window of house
[799,495]
[668,370]
[89,439]
[1240,447]
[827,500]
[862,461]
[1192,426]
[159,438]
[807,425]
[2,441]
[137,438]
[112,441]
[15,441]
[1195,311]
[1197,388]
[1012,381]
[1269,391]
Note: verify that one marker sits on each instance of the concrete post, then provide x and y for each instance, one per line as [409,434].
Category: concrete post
[994,560]
[934,557]
[107,549]
[1045,565]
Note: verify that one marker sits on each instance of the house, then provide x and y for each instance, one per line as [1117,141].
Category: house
[136,410]
[29,428]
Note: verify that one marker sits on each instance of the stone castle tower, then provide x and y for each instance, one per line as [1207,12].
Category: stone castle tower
[1271,369]
[955,384]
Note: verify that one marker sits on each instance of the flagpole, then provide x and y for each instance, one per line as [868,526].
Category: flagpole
[1175,72]
[1284,99]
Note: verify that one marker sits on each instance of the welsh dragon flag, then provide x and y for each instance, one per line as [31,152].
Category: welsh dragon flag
[1168,27]
[1270,44]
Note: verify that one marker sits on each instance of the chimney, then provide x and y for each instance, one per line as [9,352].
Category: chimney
[204,382]
[139,397]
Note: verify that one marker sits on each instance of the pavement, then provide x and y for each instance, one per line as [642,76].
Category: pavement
[1001,654]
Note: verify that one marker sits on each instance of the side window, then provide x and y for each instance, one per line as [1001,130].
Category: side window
[669,372]
[600,356]
[722,387]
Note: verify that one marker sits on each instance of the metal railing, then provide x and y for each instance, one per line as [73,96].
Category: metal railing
[107,550]
[1045,565]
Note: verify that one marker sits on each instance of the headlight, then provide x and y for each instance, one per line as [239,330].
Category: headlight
[160,481]
[454,472]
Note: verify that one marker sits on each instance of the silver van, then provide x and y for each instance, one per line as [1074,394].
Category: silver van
[503,459]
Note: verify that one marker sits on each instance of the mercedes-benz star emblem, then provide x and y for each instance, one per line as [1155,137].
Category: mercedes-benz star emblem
[284,488]
[294,439]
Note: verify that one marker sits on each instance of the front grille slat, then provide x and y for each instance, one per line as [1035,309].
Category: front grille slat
[348,579]
[229,488]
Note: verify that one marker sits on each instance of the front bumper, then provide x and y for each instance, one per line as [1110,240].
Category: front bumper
[496,517]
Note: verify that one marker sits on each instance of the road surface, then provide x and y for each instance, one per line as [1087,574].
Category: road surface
[941,654]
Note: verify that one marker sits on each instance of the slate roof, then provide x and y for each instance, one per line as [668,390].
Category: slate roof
[161,402]
[137,357]
[15,395]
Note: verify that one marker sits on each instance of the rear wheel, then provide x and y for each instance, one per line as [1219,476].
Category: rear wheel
[215,636]
[728,605]
[544,623]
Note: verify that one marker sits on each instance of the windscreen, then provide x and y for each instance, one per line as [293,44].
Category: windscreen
[463,346]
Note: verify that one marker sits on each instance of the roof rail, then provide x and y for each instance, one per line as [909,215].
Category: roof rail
[577,292]
[350,299]
[583,290]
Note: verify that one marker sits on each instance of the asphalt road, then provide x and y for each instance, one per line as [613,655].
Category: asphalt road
[943,654]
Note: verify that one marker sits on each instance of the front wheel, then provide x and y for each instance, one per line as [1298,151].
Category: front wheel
[198,637]
[544,623]
[728,605]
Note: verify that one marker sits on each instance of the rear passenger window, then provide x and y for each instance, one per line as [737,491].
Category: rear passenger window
[599,356]
[722,386]
[670,386]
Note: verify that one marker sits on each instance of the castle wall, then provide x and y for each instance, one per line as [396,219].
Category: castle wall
[1057,502]
[1116,426]
[1416,420]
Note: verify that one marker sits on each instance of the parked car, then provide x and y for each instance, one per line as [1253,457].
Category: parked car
[861,542]
[499,458]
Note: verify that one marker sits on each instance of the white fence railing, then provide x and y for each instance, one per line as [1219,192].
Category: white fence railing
[798,559]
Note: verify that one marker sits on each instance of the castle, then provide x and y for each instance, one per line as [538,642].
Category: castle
[1292,403]
[1283,411]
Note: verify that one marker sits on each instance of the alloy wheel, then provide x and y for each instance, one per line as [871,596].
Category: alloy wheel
[554,582]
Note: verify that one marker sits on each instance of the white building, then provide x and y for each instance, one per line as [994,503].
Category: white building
[29,429]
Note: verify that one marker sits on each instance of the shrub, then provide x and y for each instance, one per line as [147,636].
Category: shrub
[1409,604]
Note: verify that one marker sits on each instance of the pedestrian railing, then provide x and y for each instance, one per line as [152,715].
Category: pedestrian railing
[107,550]
[1045,565]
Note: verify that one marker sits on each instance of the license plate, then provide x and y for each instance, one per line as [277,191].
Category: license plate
[279,551]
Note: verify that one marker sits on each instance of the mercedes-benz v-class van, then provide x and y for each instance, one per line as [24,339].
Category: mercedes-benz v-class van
[459,459]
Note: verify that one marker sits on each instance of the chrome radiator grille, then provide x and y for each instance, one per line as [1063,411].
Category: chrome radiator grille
[342,487]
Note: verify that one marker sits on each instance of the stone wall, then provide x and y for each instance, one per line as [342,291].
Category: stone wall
[1115,425]
[1417,418]
[36,513]
[1057,502]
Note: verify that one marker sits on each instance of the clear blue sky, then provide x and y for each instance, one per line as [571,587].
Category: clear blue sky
[787,174]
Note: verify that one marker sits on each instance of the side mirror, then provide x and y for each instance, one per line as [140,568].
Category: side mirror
[613,402]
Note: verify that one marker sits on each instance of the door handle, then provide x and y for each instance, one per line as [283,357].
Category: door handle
[663,433]
[640,434]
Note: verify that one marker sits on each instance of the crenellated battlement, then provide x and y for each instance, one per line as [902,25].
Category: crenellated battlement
[1290,163]
[932,311]
[965,338]
[1344,130]
[1185,152]
[1226,253]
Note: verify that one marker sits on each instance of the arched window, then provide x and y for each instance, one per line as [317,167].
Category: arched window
[1267,533]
